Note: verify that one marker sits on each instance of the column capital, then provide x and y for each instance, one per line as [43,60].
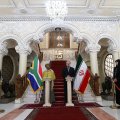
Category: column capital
[23,49]
[92,48]
[3,48]
[112,49]
[77,38]
[38,37]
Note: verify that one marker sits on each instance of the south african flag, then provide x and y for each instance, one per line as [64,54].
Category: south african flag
[35,75]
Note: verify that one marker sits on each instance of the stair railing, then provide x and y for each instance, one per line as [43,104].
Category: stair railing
[21,85]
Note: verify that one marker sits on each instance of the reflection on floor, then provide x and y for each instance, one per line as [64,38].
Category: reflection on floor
[101,113]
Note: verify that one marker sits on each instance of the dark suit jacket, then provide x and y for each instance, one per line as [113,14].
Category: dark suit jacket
[65,73]
[116,74]
[71,72]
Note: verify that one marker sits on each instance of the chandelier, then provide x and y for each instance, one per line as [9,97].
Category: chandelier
[56,9]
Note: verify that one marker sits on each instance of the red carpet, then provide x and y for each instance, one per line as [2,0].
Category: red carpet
[37,106]
[58,67]
[61,113]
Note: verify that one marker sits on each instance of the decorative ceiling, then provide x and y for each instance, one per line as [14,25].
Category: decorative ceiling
[75,7]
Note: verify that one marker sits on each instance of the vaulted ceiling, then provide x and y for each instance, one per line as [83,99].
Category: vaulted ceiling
[75,7]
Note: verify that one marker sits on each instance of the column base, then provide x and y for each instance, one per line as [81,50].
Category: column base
[19,100]
[69,104]
[114,106]
[98,99]
[47,105]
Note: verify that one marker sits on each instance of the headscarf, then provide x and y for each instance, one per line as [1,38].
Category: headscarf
[47,66]
[118,65]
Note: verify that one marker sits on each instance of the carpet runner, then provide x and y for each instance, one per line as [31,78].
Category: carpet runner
[57,67]
[38,106]
[61,113]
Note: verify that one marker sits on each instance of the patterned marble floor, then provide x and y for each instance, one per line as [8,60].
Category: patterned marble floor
[102,113]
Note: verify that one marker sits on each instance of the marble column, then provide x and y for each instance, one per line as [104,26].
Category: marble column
[94,62]
[92,50]
[1,60]
[3,51]
[69,92]
[23,51]
[47,93]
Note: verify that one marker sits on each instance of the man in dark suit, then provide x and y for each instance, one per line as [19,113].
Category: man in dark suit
[116,79]
[68,71]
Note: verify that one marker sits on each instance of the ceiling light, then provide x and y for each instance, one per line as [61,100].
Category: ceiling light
[56,9]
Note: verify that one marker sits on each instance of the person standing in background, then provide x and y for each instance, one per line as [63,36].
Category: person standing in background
[68,71]
[1,110]
[116,80]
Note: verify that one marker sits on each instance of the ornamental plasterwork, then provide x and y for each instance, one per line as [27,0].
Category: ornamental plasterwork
[3,48]
[68,27]
[93,28]
[70,18]
[20,28]
[112,47]
[38,37]
[92,48]
[69,54]
[23,48]
[92,31]
[93,18]
[48,55]
[52,54]
[90,28]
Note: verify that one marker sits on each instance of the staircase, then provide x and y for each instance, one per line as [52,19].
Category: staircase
[59,92]
[58,67]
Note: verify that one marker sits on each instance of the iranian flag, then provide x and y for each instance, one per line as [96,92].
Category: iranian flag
[35,75]
[82,75]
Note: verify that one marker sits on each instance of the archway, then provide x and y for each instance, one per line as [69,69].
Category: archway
[103,53]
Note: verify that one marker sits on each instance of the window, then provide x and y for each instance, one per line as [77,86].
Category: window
[109,65]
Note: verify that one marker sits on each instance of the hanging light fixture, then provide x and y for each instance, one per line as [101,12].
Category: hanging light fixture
[56,9]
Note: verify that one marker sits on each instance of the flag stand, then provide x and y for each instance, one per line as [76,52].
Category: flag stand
[80,96]
[36,100]
[2,110]
[113,106]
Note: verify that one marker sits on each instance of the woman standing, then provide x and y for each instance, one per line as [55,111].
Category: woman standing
[49,73]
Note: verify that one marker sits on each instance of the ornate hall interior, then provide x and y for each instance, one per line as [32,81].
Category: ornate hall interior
[57,31]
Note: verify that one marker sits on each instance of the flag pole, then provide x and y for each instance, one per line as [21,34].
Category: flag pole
[113,106]
[36,100]
[40,54]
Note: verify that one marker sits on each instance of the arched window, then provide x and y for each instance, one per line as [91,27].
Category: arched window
[109,65]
